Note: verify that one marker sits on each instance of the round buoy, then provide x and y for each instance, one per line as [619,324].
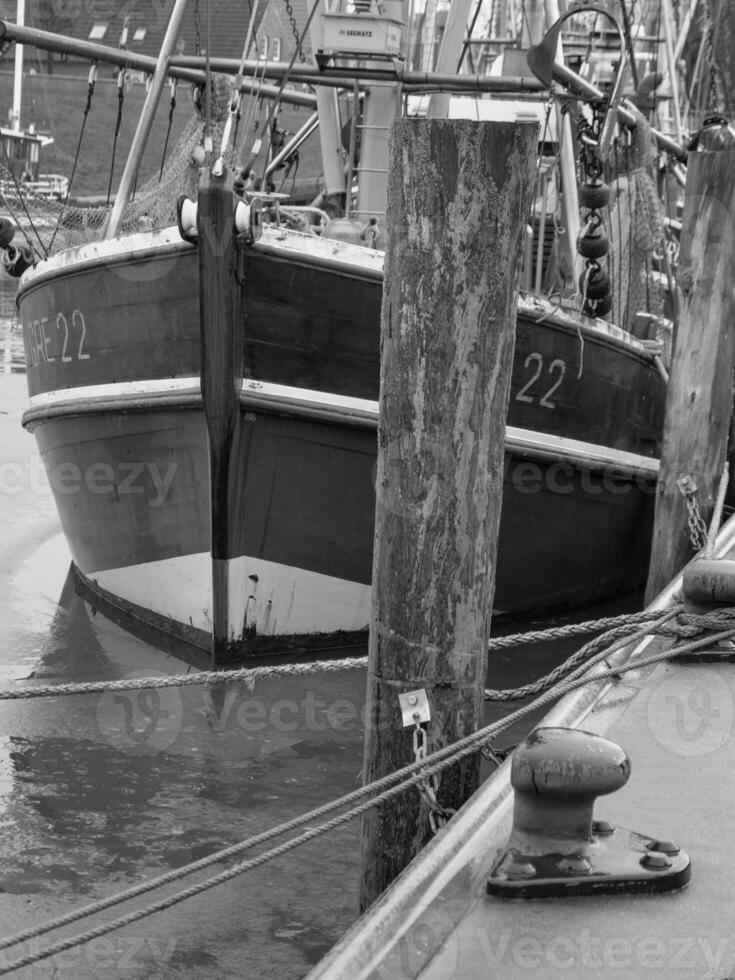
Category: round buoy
[7,231]
[594,194]
[16,259]
[710,581]
[594,244]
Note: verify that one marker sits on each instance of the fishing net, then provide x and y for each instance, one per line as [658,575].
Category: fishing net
[637,226]
[49,226]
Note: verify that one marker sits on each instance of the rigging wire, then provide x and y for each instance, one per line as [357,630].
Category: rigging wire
[276,102]
[171,110]
[90,92]
[120,101]
[22,199]
[470,31]
[629,44]
[208,87]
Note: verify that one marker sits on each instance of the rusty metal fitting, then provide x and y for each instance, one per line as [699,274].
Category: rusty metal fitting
[555,847]
[557,774]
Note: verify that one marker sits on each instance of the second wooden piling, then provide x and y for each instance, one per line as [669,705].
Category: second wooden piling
[459,195]
[699,397]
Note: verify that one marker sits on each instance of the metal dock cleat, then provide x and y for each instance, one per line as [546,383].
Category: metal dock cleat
[556,849]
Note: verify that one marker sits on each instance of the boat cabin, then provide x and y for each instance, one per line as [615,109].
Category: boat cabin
[23,152]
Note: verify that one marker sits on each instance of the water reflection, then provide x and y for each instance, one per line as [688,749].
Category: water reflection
[12,360]
[98,792]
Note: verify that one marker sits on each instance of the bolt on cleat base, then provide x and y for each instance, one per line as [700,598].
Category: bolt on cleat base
[556,849]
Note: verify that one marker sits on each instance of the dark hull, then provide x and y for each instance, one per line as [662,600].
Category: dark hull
[309,324]
[112,347]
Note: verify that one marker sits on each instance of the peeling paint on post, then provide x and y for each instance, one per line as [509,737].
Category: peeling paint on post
[459,194]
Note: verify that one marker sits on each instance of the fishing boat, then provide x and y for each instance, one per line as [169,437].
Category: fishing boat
[21,177]
[272,548]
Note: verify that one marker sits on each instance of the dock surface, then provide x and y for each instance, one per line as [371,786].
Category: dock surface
[675,721]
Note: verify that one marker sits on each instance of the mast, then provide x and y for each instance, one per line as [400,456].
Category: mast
[20,17]
[450,52]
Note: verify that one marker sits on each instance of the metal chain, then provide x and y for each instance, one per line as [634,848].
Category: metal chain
[295,29]
[438,814]
[592,243]
[197,30]
[697,527]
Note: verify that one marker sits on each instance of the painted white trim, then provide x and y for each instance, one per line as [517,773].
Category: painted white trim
[275,599]
[279,241]
[118,389]
[266,396]
[586,455]
[298,246]
[92,253]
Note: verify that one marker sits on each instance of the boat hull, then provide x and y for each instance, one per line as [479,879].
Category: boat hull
[112,348]
[131,485]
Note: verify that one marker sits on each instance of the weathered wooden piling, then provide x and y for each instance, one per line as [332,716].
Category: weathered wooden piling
[221,380]
[699,397]
[459,194]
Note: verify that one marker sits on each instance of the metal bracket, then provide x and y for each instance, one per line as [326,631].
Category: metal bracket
[414,708]
[686,485]
[617,862]
[555,848]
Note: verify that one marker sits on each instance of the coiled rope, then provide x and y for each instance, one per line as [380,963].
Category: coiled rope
[385,788]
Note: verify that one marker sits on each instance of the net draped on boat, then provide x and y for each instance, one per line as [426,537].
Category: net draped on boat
[153,206]
[636,221]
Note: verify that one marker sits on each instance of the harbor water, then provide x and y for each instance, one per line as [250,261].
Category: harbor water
[100,792]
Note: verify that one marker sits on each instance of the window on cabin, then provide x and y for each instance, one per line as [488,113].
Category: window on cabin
[99,29]
[264,47]
[276,49]
[140,33]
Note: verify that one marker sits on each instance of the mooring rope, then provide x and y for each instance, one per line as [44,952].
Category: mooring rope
[570,630]
[674,623]
[205,678]
[386,787]
[250,674]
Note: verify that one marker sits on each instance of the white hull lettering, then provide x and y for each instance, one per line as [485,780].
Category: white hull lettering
[45,345]
[557,369]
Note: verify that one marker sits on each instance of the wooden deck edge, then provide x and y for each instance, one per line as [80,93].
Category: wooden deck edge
[475,829]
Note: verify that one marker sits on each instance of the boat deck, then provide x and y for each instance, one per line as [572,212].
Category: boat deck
[675,721]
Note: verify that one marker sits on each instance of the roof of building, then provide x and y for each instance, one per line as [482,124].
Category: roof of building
[104,21]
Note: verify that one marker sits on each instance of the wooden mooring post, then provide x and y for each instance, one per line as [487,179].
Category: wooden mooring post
[699,397]
[459,194]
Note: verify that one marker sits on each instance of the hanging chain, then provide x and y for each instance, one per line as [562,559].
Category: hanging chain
[295,29]
[697,527]
[438,814]
[594,195]
[197,30]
